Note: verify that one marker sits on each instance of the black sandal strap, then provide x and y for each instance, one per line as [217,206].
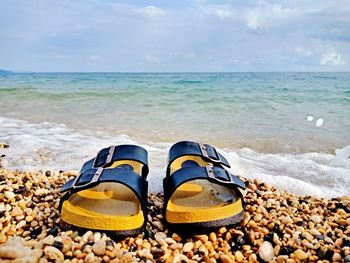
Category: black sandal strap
[205,151]
[215,175]
[92,177]
[108,156]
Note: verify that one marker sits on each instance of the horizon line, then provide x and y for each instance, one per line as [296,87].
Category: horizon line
[168,72]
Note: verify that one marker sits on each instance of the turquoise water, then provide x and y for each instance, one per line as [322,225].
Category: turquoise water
[263,111]
[292,129]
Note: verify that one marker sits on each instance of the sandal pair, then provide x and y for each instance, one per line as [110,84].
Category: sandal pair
[110,193]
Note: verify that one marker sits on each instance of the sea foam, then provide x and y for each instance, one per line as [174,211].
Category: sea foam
[50,146]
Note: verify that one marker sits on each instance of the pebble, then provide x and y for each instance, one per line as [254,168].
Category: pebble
[41,192]
[203,238]
[301,255]
[16,211]
[266,252]
[160,237]
[99,248]
[246,219]
[315,232]
[9,195]
[187,247]
[226,259]
[90,258]
[239,256]
[53,254]
[316,219]
[258,217]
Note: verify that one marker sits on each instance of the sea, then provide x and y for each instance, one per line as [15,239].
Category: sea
[291,130]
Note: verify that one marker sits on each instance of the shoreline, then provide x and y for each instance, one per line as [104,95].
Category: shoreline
[277,227]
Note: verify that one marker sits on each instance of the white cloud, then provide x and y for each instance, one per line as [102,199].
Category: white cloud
[331,58]
[266,14]
[256,17]
[150,11]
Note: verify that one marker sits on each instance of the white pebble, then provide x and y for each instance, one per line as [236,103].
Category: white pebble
[319,122]
[266,251]
[310,118]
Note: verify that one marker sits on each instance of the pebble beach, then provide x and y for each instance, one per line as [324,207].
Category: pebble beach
[277,227]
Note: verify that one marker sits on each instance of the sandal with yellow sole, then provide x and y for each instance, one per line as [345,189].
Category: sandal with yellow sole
[110,193]
[199,193]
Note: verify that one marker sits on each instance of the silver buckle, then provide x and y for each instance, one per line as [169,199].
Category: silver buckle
[108,158]
[204,152]
[94,179]
[211,174]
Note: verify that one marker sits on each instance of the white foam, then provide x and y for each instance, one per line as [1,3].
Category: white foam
[49,146]
[323,175]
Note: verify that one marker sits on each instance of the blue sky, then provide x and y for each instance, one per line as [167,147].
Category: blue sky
[158,36]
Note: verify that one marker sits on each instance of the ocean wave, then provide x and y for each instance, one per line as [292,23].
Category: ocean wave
[50,146]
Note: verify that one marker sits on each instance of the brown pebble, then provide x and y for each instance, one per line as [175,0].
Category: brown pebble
[301,255]
[226,259]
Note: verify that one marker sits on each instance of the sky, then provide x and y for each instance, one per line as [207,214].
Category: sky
[174,36]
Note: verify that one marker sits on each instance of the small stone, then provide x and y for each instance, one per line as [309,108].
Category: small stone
[157,252]
[9,195]
[315,232]
[336,257]
[16,211]
[226,259]
[29,219]
[90,258]
[99,248]
[41,192]
[266,252]
[158,225]
[258,217]
[246,219]
[22,204]
[187,247]
[21,224]
[203,238]
[287,220]
[170,241]
[160,237]
[222,230]
[53,253]
[178,258]
[315,219]
[86,236]
[282,258]
[239,256]
[58,245]
[212,237]
[176,237]
[301,255]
